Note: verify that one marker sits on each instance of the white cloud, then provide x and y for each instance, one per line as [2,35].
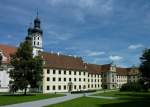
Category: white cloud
[115,58]
[9,36]
[60,36]
[94,53]
[136,46]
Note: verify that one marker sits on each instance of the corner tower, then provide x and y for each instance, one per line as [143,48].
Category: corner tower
[35,33]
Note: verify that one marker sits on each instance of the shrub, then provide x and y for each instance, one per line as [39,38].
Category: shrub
[131,87]
[82,91]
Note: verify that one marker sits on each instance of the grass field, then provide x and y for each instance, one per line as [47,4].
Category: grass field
[125,94]
[127,99]
[6,99]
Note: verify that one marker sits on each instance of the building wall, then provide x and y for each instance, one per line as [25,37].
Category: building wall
[80,80]
[134,75]
[4,78]
[121,79]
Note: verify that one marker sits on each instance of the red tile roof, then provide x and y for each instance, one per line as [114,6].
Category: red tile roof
[97,69]
[122,71]
[53,60]
[7,50]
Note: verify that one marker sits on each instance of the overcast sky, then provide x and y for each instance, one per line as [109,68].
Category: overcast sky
[99,31]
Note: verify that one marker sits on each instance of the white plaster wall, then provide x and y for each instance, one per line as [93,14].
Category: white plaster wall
[121,80]
[61,83]
[4,80]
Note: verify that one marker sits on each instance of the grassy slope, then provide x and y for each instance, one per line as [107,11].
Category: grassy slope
[12,99]
[127,100]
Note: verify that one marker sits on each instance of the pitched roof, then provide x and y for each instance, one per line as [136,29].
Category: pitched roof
[53,60]
[7,50]
[97,69]
[122,71]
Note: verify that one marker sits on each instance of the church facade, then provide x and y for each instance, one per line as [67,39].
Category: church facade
[62,73]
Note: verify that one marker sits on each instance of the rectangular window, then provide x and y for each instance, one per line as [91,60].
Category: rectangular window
[48,71]
[54,71]
[75,79]
[59,71]
[54,79]
[65,72]
[79,86]
[75,86]
[79,79]
[54,87]
[84,87]
[48,78]
[79,73]
[64,79]
[69,79]
[69,72]
[47,87]
[59,79]
[84,79]
[64,87]
[59,87]
[38,43]
[74,72]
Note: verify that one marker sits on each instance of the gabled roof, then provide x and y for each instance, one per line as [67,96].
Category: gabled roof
[53,60]
[7,50]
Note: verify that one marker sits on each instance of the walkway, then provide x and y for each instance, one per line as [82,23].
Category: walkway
[50,101]
[103,97]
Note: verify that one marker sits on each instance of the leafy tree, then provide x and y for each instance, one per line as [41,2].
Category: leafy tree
[0,59]
[145,67]
[27,70]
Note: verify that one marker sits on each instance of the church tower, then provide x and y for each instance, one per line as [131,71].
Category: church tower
[35,33]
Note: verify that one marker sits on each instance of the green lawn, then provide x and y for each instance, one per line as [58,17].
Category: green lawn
[7,99]
[127,99]
[124,95]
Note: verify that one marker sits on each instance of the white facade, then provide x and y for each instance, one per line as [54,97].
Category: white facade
[121,79]
[4,78]
[59,80]
[37,43]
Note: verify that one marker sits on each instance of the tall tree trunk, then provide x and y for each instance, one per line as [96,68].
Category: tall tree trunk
[25,91]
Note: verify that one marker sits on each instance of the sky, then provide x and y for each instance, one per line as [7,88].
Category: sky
[99,31]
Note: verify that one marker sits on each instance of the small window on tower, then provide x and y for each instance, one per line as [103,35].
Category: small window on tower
[38,38]
[38,43]
[34,42]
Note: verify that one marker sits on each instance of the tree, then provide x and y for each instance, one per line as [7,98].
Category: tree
[145,67]
[1,59]
[27,70]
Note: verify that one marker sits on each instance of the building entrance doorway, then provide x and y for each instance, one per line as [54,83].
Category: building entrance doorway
[70,86]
